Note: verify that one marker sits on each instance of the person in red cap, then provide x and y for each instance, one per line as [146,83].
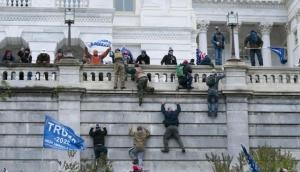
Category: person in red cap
[184,74]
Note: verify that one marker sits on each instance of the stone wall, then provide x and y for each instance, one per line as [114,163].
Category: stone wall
[258,106]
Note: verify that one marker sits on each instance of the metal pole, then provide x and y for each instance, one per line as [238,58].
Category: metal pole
[232,40]
[69,36]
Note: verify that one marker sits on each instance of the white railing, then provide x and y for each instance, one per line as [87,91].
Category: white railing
[162,74]
[29,75]
[72,3]
[15,3]
[258,79]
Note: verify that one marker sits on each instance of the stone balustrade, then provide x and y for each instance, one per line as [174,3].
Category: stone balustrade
[15,3]
[72,3]
[161,77]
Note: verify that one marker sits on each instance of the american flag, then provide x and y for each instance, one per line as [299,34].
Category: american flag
[200,55]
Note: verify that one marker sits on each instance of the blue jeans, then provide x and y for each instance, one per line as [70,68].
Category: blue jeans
[259,57]
[218,56]
[136,154]
[212,102]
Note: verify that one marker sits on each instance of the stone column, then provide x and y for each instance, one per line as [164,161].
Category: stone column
[291,60]
[194,44]
[236,40]
[69,98]
[265,29]
[235,90]
[202,26]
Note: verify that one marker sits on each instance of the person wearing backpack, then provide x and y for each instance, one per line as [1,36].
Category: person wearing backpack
[140,137]
[212,81]
[255,45]
[184,74]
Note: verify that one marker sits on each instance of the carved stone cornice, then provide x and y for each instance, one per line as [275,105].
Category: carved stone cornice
[141,35]
[202,25]
[265,27]
[50,19]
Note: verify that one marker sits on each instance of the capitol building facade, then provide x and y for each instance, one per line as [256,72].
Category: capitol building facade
[152,25]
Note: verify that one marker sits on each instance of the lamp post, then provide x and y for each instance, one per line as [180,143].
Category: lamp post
[69,19]
[232,21]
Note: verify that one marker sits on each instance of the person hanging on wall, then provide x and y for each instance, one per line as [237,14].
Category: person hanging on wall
[212,81]
[171,123]
[255,46]
[143,58]
[169,59]
[142,81]
[95,58]
[98,139]
[140,137]
[218,41]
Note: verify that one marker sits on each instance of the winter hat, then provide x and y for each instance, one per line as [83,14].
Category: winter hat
[135,168]
[170,49]
[185,62]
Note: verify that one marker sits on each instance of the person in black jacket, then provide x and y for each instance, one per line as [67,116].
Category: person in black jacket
[169,59]
[99,142]
[143,58]
[171,123]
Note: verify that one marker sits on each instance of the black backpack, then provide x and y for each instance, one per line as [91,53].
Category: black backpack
[211,80]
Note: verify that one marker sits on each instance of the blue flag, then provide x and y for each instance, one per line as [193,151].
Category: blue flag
[59,136]
[280,54]
[254,167]
[101,43]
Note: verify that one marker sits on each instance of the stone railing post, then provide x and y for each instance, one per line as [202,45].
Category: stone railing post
[236,92]
[69,98]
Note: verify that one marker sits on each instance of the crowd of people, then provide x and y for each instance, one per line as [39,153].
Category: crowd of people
[140,136]
[252,42]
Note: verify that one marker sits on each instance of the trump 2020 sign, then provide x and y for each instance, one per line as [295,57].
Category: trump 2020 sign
[59,136]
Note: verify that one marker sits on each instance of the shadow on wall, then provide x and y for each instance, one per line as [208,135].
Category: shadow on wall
[12,43]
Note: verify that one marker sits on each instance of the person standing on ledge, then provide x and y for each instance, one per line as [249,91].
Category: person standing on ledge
[171,123]
[212,81]
[218,41]
[169,59]
[255,43]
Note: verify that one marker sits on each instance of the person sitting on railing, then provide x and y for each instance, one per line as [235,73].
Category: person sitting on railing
[59,55]
[143,58]
[95,58]
[140,137]
[142,81]
[169,59]
[184,74]
[255,43]
[43,58]
[8,58]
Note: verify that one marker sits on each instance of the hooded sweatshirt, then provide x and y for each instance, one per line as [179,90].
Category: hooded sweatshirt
[139,138]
